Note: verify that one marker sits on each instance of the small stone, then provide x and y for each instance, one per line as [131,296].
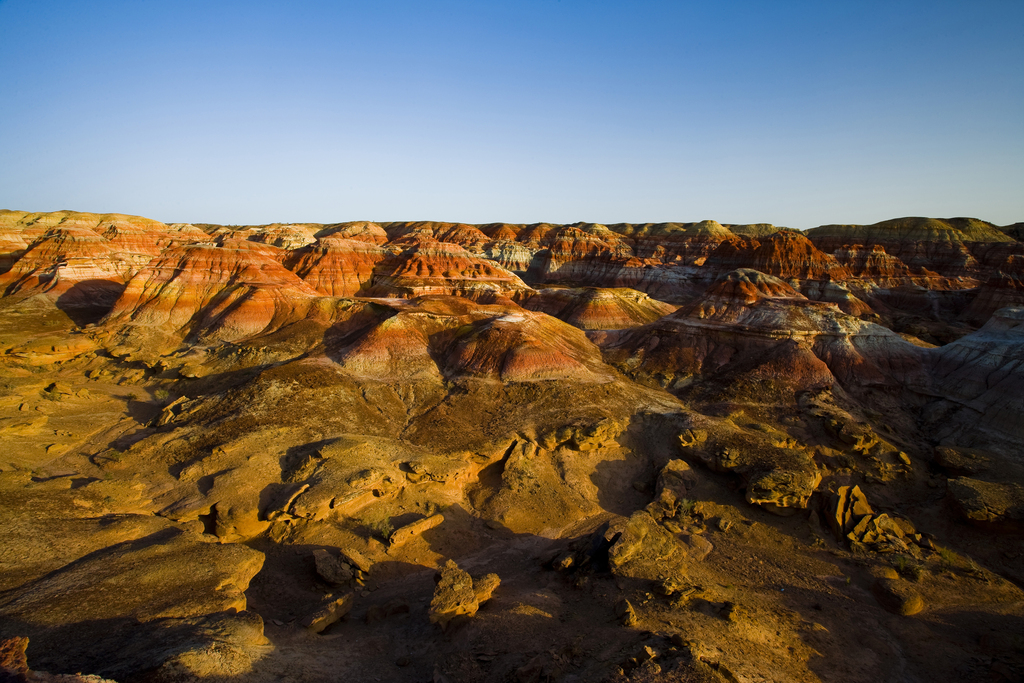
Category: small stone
[330,610]
[700,547]
[356,559]
[732,612]
[330,569]
[885,573]
[625,613]
[409,531]
[898,596]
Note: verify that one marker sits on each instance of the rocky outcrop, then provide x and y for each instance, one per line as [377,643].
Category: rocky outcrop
[458,595]
[846,507]
[987,503]
[786,255]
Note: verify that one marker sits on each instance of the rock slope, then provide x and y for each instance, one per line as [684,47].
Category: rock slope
[439,451]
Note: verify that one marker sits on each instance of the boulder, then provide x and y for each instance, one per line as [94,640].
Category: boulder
[675,481]
[898,596]
[457,594]
[625,613]
[331,569]
[698,546]
[410,531]
[330,610]
[355,559]
[845,508]
[783,491]
[640,545]
[880,533]
[987,503]
[693,438]
[13,660]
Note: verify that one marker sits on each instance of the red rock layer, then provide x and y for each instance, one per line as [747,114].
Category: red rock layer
[237,288]
[523,346]
[66,259]
[748,319]
[688,243]
[467,236]
[592,256]
[783,254]
[872,262]
[291,236]
[598,309]
[731,295]
[420,266]
[336,266]
[83,258]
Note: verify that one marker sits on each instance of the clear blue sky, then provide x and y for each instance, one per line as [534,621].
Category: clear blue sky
[793,113]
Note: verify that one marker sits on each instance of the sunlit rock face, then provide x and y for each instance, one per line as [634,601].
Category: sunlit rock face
[953,248]
[592,308]
[237,286]
[336,265]
[416,265]
[787,255]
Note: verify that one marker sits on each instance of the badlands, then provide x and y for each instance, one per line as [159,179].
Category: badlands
[454,453]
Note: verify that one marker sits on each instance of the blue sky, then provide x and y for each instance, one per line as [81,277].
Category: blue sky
[793,113]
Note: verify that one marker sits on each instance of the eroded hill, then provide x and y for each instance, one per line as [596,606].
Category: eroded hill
[678,451]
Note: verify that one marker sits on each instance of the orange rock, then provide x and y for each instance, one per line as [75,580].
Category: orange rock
[336,266]
[236,287]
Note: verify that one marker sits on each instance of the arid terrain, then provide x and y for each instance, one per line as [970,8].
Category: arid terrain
[456,453]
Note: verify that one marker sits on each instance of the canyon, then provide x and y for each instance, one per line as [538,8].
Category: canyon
[428,451]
